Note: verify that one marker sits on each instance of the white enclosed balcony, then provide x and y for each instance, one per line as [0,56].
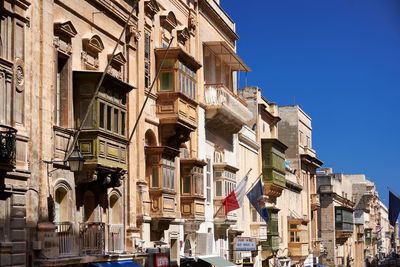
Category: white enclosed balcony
[225,112]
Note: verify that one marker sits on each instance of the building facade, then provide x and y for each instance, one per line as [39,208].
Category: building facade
[295,131]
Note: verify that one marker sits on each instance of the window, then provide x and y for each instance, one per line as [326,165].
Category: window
[147,60]
[192,182]
[61,94]
[344,219]
[62,204]
[208,181]
[187,81]
[112,118]
[167,81]
[294,232]
[115,209]
[225,182]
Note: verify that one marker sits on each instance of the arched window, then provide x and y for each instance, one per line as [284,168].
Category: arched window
[89,207]
[150,138]
[62,203]
[116,209]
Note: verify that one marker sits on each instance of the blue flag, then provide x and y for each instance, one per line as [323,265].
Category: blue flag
[255,198]
[394,208]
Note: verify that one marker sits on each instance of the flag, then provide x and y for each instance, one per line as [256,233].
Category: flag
[394,208]
[235,198]
[255,196]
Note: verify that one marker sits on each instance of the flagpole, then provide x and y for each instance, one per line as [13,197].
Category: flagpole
[252,185]
[219,209]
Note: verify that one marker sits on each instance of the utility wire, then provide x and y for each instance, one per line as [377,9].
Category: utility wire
[76,135]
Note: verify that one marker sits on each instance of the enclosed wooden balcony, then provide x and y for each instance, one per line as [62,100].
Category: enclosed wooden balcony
[7,148]
[298,239]
[192,193]
[177,95]
[103,139]
[259,231]
[160,169]
[225,111]
[273,165]
[344,223]
[220,218]
[315,203]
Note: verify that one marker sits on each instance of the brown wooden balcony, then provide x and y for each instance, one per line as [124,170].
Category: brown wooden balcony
[315,203]
[7,148]
[226,113]
[177,95]
[178,117]
[192,192]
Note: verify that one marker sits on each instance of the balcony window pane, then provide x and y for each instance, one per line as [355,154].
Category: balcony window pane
[154,177]
[122,123]
[171,178]
[186,185]
[109,114]
[115,122]
[166,81]
[101,115]
[218,188]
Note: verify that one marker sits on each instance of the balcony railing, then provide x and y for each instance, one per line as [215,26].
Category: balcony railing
[7,147]
[65,235]
[225,108]
[116,238]
[92,238]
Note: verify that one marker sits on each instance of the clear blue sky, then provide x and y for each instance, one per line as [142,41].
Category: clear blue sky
[340,61]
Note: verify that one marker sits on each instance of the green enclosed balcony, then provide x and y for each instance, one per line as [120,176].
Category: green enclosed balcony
[272,242]
[273,166]
[344,222]
[103,139]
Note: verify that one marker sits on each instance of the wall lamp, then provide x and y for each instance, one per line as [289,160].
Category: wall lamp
[75,162]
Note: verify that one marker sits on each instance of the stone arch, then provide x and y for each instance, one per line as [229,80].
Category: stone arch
[150,138]
[63,201]
[115,207]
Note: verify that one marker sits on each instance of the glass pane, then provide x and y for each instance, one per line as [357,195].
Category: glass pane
[115,124]
[123,123]
[101,115]
[186,185]
[166,81]
[165,178]
[109,114]
[172,178]
[218,188]
[154,177]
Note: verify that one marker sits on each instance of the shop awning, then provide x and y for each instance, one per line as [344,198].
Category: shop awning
[217,261]
[115,264]
[222,50]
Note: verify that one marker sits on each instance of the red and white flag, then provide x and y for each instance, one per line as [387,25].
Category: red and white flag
[235,198]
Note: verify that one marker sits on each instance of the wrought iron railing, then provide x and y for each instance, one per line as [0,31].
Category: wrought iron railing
[7,147]
[92,238]
[115,238]
[65,235]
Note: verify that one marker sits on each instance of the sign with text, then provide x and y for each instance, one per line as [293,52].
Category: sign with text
[245,244]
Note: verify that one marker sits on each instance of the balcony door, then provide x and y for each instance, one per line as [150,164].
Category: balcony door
[90,212]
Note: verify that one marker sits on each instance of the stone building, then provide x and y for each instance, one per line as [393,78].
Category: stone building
[336,218]
[295,131]
[153,195]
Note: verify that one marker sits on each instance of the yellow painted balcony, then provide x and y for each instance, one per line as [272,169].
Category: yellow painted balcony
[298,250]
[225,111]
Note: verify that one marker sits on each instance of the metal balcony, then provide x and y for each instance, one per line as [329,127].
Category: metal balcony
[92,238]
[7,147]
